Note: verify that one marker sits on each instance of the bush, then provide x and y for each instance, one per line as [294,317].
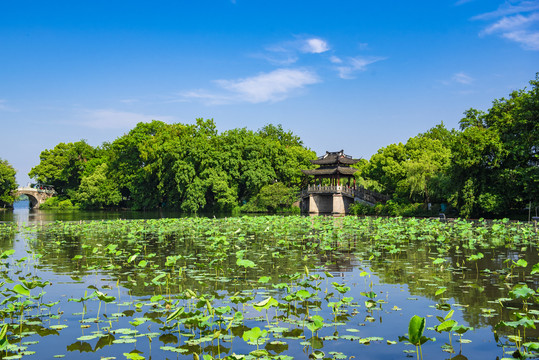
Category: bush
[57,203]
[276,197]
[396,208]
[359,208]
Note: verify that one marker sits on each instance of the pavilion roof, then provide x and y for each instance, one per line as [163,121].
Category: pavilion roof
[335,158]
[341,170]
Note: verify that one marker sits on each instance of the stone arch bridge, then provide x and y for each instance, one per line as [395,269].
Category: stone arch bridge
[37,196]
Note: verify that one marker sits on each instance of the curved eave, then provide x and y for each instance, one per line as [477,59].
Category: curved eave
[333,160]
[340,170]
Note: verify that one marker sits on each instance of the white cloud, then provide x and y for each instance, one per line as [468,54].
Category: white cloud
[511,23]
[266,87]
[315,46]
[462,78]
[278,57]
[353,65]
[508,8]
[115,119]
[287,52]
[528,40]
[336,60]
[516,22]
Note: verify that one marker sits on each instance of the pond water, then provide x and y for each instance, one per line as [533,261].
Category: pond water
[291,287]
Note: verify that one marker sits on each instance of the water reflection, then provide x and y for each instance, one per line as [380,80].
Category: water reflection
[387,284]
[21,213]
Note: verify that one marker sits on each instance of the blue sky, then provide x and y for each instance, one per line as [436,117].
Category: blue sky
[353,75]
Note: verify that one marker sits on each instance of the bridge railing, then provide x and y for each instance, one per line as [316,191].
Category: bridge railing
[44,191]
[361,192]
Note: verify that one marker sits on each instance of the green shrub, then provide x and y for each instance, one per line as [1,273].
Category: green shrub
[276,197]
[359,208]
[57,203]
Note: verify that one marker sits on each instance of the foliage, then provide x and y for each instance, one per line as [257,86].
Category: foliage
[58,203]
[409,171]
[490,167]
[186,167]
[198,283]
[97,190]
[8,183]
[63,166]
[496,156]
[359,208]
[272,198]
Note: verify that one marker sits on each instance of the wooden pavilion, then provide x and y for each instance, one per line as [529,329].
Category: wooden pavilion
[334,166]
[336,197]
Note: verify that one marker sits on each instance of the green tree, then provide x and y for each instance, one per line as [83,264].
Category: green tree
[497,156]
[187,167]
[475,161]
[385,167]
[410,172]
[277,196]
[97,190]
[8,183]
[271,198]
[63,166]
[428,159]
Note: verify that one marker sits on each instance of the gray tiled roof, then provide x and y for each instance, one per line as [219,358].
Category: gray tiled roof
[336,157]
[342,170]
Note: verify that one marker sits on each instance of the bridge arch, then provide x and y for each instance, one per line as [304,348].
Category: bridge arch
[36,196]
[31,198]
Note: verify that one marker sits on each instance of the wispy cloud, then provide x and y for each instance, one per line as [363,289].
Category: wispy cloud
[363,46]
[116,119]
[529,40]
[512,22]
[351,66]
[274,86]
[462,78]
[461,2]
[129,101]
[509,8]
[288,52]
[515,21]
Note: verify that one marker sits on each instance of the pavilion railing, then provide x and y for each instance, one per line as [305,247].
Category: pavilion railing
[361,192]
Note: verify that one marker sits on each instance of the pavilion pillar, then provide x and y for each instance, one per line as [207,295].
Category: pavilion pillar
[338,204]
[313,207]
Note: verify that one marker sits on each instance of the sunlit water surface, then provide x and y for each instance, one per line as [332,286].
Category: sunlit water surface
[403,284]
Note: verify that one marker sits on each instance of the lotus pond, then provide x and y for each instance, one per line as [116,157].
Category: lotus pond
[269,288]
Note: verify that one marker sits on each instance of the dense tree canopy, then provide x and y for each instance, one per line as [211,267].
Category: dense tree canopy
[488,167]
[496,156]
[63,166]
[186,167]
[409,171]
[7,183]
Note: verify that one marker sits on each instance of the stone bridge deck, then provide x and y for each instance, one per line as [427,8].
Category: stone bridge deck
[337,199]
[360,193]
